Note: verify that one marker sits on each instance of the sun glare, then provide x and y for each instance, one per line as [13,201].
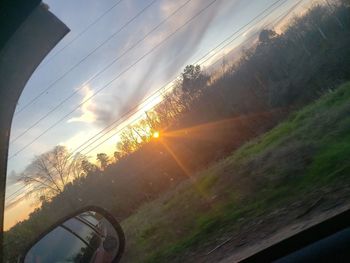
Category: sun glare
[156,135]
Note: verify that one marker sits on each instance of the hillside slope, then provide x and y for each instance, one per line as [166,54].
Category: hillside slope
[295,165]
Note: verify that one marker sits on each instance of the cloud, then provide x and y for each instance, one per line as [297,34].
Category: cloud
[107,110]
[84,140]
[167,61]
[160,66]
[87,109]
[80,137]
[12,179]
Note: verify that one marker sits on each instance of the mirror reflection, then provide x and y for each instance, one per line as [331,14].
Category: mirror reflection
[87,237]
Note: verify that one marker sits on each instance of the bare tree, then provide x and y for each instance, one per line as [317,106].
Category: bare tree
[50,172]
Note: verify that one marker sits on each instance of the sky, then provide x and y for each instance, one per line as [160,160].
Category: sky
[78,66]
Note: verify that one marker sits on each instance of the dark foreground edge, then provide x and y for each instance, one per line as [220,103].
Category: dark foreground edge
[328,240]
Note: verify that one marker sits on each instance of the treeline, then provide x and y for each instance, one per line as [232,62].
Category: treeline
[203,119]
[291,69]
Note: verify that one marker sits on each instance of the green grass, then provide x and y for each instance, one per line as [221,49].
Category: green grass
[308,151]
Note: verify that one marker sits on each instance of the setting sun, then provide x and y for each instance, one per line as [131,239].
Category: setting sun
[156,135]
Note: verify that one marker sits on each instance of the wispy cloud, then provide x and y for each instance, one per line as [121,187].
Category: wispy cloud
[167,61]
[12,178]
[87,109]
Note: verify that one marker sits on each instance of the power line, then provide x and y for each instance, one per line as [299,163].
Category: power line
[115,78]
[14,193]
[132,111]
[114,124]
[155,28]
[98,73]
[174,32]
[115,133]
[168,87]
[105,68]
[87,28]
[158,90]
[85,57]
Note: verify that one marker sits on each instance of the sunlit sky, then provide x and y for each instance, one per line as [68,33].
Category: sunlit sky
[159,67]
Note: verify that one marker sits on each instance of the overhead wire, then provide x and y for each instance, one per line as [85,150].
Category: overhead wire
[98,73]
[284,14]
[113,79]
[85,58]
[87,28]
[159,44]
[118,131]
[130,111]
[165,87]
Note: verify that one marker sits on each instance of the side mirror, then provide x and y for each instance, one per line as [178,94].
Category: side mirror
[91,235]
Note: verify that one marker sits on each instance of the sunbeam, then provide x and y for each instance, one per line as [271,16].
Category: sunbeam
[187,172]
[212,131]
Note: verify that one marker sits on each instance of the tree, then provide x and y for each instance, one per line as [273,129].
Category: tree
[266,35]
[103,159]
[88,167]
[50,172]
[117,156]
[193,79]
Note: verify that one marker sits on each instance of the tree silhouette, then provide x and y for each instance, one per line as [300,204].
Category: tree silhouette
[103,159]
[49,173]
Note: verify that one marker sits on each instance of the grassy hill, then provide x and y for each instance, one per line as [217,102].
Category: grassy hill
[299,160]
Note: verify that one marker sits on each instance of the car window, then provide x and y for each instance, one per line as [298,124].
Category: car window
[209,129]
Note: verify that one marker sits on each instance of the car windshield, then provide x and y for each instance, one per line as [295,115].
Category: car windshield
[209,129]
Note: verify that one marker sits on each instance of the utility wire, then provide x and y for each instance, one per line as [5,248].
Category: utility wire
[14,193]
[98,73]
[119,130]
[114,79]
[84,58]
[87,28]
[164,89]
[149,33]
[136,107]
[132,111]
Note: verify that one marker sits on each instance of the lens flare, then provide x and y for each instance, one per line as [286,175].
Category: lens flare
[156,135]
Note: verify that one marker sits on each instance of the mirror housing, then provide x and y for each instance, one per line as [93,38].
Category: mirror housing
[88,235]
